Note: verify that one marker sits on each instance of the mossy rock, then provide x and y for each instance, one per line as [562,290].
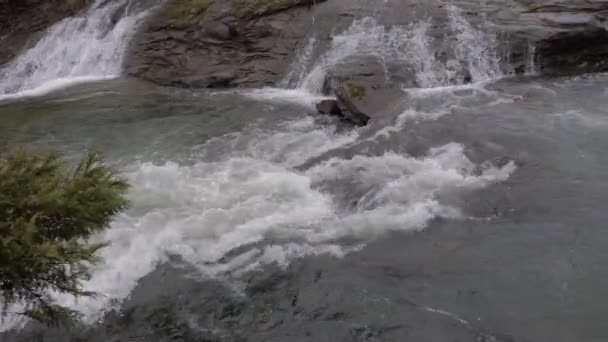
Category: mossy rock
[258,8]
[184,12]
[354,90]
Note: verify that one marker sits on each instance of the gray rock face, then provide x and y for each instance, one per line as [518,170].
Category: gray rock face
[344,108]
[567,36]
[221,47]
[351,110]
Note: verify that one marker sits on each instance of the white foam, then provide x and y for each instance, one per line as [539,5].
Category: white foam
[53,85]
[252,207]
[279,95]
[206,211]
[408,116]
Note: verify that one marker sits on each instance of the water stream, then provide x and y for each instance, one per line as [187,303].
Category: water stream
[503,168]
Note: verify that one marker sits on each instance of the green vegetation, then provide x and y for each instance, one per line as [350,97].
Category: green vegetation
[354,90]
[182,12]
[47,215]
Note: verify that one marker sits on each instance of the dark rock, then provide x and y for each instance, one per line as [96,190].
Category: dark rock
[347,105]
[574,52]
[253,45]
[329,107]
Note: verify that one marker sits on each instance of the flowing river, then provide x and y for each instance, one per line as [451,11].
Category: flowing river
[475,211]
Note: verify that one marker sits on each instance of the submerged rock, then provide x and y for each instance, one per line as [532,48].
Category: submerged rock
[345,109]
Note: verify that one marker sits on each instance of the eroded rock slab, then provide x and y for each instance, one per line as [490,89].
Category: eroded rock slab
[219,44]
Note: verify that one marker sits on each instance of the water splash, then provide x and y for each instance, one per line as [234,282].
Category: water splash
[476,49]
[412,47]
[89,46]
[301,65]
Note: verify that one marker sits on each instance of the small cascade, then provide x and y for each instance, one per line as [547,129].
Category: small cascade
[87,47]
[472,53]
[531,62]
[301,65]
[475,49]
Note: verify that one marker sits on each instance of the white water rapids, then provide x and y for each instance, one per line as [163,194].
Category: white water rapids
[256,199]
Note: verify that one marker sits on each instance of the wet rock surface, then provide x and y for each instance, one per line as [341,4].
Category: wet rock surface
[573,37]
[222,45]
[329,107]
[558,37]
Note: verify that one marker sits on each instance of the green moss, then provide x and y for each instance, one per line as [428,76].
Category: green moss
[355,91]
[258,8]
[183,12]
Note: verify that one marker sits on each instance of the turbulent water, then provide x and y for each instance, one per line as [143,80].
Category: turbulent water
[264,200]
[231,182]
[79,49]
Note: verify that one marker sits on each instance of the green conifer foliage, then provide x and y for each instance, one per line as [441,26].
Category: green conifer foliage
[47,215]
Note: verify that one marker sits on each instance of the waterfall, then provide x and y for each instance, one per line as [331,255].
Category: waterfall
[475,49]
[411,47]
[87,47]
[300,66]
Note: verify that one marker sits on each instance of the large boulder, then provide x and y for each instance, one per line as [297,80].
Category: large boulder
[221,43]
[330,107]
[364,90]
[348,94]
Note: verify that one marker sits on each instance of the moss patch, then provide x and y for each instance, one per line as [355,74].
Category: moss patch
[354,90]
[183,12]
[258,8]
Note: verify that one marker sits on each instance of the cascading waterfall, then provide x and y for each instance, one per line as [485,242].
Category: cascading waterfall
[87,47]
[411,46]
